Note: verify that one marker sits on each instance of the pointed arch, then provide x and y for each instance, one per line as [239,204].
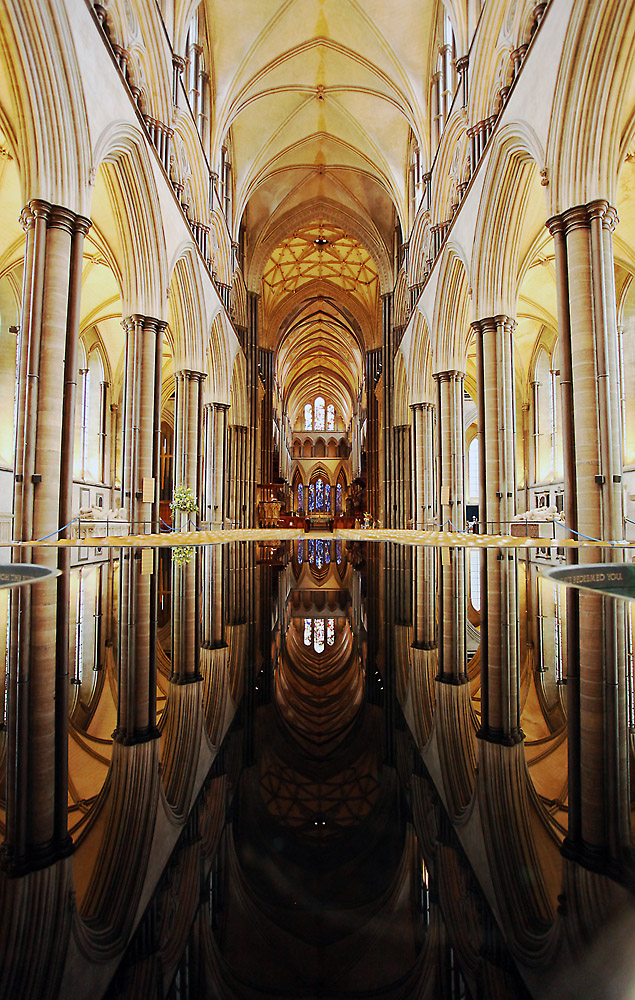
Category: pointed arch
[122,156]
[512,169]
[451,324]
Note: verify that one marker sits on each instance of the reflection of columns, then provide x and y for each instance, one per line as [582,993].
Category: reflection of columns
[424,611]
[500,715]
[37,718]
[591,430]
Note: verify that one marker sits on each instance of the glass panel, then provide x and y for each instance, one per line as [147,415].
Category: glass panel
[319,553]
[318,635]
[311,550]
[311,498]
[300,551]
[330,631]
[338,552]
[327,552]
[319,495]
[327,497]
[330,417]
[308,417]
[338,498]
[319,414]
[307,631]
[301,497]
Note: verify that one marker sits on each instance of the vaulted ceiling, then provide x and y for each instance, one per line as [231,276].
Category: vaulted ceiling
[316,101]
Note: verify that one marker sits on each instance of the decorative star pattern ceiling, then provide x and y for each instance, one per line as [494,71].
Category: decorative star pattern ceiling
[320,252]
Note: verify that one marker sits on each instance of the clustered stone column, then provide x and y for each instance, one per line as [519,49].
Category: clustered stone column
[599,816]
[266,369]
[136,713]
[388,363]
[373,446]
[215,471]
[500,710]
[37,718]
[423,491]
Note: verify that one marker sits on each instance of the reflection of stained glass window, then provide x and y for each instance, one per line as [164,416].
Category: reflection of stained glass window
[327,496]
[300,497]
[338,552]
[307,631]
[311,550]
[311,498]
[318,635]
[330,417]
[330,631]
[319,553]
[300,551]
[338,498]
[319,495]
[319,414]
[327,552]
[308,417]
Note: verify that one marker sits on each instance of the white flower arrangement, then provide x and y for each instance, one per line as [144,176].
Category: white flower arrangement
[182,554]
[184,500]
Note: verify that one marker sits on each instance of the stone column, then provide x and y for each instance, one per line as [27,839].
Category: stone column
[37,717]
[500,720]
[388,360]
[451,450]
[599,825]
[136,715]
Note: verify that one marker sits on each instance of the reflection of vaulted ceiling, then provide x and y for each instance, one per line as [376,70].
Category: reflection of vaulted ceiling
[319,694]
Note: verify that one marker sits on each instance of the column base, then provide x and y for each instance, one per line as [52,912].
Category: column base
[187,679]
[35,858]
[424,645]
[145,735]
[497,736]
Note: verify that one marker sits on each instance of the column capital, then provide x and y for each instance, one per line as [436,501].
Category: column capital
[61,218]
[190,374]
[150,323]
[451,375]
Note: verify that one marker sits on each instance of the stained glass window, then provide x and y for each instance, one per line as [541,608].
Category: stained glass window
[319,414]
[300,497]
[311,550]
[308,417]
[330,417]
[338,552]
[307,631]
[319,495]
[330,631]
[319,553]
[327,497]
[327,553]
[311,498]
[300,551]
[338,498]
[318,635]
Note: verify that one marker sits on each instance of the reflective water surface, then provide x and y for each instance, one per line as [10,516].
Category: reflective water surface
[332,780]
